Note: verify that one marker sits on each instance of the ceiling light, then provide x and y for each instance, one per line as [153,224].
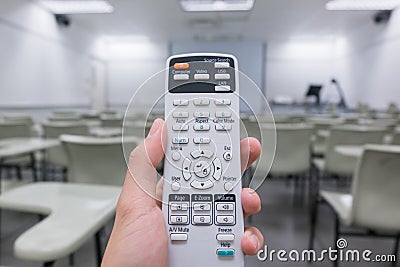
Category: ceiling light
[362,4]
[77,6]
[217,5]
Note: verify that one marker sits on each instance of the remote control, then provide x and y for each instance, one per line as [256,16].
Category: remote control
[202,177]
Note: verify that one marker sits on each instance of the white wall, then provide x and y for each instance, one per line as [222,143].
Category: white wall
[370,62]
[293,64]
[130,62]
[41,63]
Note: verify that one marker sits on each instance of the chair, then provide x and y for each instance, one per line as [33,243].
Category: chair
[17,129]
[336,164]
[293,151]
[111,121]
[396,138]
[56,155]
[321,125]
[373,204]
[84,152]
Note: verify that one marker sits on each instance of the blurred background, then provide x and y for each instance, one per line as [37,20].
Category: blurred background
[328,68]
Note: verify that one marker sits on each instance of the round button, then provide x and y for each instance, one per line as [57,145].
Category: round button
[176,156]
[227,156]
[202,169]
[228,186]
[175,186]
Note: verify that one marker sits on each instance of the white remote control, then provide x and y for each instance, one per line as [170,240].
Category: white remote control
[202,187]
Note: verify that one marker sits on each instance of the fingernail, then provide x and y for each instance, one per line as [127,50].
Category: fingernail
[154,128]
[251,191]
[253,239]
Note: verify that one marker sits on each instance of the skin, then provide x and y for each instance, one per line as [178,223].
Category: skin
[131,243]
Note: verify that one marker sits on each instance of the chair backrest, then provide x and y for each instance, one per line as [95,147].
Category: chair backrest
[14,130]
[57,155]
[96,160]
[396,138]
[349,135]
[376,189]
[111,121]
[292,153]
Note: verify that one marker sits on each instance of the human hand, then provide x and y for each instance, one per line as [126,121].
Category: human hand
[139,232]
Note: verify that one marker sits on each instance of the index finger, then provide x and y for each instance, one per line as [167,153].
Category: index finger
[250,150]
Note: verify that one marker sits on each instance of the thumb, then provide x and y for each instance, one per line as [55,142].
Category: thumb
[139,190]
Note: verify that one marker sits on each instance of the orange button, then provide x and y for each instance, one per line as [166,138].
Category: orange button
[181,66]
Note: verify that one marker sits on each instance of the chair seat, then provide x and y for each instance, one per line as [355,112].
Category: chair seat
[76,212]
[319,149]
[319,163]
[341,203]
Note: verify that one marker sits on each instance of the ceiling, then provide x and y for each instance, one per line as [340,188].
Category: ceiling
[164,20]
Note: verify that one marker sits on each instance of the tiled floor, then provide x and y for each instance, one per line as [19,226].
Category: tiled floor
[284,224]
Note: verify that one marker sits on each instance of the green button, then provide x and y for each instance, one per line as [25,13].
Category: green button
[226,252]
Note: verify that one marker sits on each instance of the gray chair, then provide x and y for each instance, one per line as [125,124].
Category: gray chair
[293,152]
[17,129]
[96,160]
[57,156]
[336,164]
[373,204]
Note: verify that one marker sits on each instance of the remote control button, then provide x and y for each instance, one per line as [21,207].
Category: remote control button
[181,77]
[179,237]
[223,114]
[225,206]
[222,88]
[202,185]
[224,76]
[222,102]
[201,127]
[180,127]
[179,219]
[175,186]
[225,237]
[221,65]
[217,169]
[186,169]
[202,114]
[225,220]
[180,140]
[228,186]
[227,156]
[180,114]
[226,252]
[181,66]
[201,140]
[199,219]
[201,102]
[176,156]
[223,127]
[202,207]
[202,153]
[202,76]
[181,102]
[178,206]
[202,169]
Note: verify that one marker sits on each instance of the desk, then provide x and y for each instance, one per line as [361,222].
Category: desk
[13,147]
[350,151]
[75,213]
[106,131]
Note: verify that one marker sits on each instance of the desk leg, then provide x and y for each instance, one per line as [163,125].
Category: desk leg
[34,167]
[99,252]
[44,165]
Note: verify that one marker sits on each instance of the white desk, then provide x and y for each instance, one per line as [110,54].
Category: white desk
[75,212]
[106,131]
[12,147]
[350,151]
